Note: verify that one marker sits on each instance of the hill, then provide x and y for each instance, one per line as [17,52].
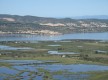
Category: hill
[42,25]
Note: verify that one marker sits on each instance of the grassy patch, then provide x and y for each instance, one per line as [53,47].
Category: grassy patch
[41,48]
[99,75]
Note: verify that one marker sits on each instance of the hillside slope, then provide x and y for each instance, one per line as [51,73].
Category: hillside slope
[35,25]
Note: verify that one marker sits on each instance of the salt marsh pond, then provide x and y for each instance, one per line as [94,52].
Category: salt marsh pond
[3,47]
[41,70]
[25,58]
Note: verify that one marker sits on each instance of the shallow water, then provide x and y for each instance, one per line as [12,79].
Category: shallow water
[2,47]
[26,72]
[54,67]
[100,51]
[71,77]
[75,67]
[6,70]
[56,52]
[54,45]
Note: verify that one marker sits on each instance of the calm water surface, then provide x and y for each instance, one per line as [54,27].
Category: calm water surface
[28,37]
[55,67]
[3,47]
[22,72]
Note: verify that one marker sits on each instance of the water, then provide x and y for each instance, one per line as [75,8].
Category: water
[23,68]
[6,70]
[2,47]
[54,45]
[29,37]
[71,77]
[54,67]
[101,51]
[31,72]
[75,67]
[56,52]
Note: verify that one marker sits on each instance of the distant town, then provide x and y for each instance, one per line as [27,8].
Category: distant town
[10,24]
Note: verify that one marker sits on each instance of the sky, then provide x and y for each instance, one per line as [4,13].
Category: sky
[54,8]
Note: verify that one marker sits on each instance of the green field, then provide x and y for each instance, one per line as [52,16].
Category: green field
[89,52]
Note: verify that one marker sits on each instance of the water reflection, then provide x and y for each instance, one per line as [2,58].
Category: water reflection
[30,37]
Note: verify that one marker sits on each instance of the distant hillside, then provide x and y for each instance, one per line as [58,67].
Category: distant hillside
[92,17]
[43,25]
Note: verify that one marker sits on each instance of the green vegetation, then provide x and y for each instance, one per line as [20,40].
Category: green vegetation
[87,51]
[99,75]
[5,64]
[87,54]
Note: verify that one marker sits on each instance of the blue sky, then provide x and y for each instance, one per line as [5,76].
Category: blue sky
[54,8]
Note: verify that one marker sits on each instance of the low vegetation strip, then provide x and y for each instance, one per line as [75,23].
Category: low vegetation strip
[88,51]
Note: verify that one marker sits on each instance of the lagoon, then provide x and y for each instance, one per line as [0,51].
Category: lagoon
[30,37]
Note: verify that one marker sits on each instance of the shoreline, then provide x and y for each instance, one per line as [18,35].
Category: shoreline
[48,32]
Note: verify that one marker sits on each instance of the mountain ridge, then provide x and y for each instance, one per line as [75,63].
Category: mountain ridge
[34,24]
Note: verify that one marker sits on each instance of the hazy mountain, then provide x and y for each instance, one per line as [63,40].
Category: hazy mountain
[92,17]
